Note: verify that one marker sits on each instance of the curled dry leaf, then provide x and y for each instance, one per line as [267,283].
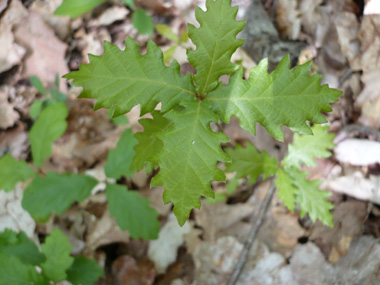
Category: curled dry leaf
[288,19]
[109,16]
[356,185]
[358,152]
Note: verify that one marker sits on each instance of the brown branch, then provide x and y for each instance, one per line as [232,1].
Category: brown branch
[252,234]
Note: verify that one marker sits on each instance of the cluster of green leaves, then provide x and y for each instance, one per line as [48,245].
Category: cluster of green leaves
[19,256]
[293,185]
[179,139]
[74,8]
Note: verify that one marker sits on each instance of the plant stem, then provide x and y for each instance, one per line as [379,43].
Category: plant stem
[252,234]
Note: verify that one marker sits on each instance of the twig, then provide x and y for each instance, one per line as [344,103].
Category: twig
[252,234]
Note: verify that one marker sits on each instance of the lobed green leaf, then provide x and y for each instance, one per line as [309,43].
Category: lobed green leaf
[132,212]
[13,171]
[20,246]
[55,193]
[57,250]
[216,41]
[283,97]
[189,157]
[305,149]
[124,79]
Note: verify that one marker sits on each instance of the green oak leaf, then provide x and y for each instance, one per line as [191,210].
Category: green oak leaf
[20,246]
[312,201]
[55,193]
[75,8]
[283,97]
[189,157]
[13,271]
[84,271]
[57,250]
[119,159]
[50,125]
[132,212]
[13,171]
[124,79]
[216,41]
[250,162]
[305,149]
[149,146]
[287,191]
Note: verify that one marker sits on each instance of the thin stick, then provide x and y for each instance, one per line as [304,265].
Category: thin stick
[252,234]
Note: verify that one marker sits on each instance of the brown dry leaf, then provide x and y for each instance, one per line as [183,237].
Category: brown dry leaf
[15,142]
[358,186]
[369,35]
[347,27]
[46,8]
[155,197]
[348,220]
[8,116]
[104,231]
[288,19]
[109,16]
[158,6]
[46,53]
[125,270]
[358,152]
[12,215]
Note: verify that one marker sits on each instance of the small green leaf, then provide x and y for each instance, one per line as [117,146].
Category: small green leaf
[188,160]
[56,82]
[36,82]
[14,272]
[12,172]
[119,159]
[20,246]
[306,148]
[75,8]
[50,125]
[143,22]
[184,37]
[249,162]
[57,250]
[132,212]
[58,96]
[283,97]
[287,191]
[167,32]
[124,79]
[55,193]
[149,146]
[84,271]
[36,108]
[216,41]
[130,3]
[312,200]
[232,186]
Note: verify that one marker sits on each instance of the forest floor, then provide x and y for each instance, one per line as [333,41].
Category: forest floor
[343,40]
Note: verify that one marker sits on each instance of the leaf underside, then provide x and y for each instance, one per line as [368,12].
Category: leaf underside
[283,97]
[216,41]
[189,157]
[124,79]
